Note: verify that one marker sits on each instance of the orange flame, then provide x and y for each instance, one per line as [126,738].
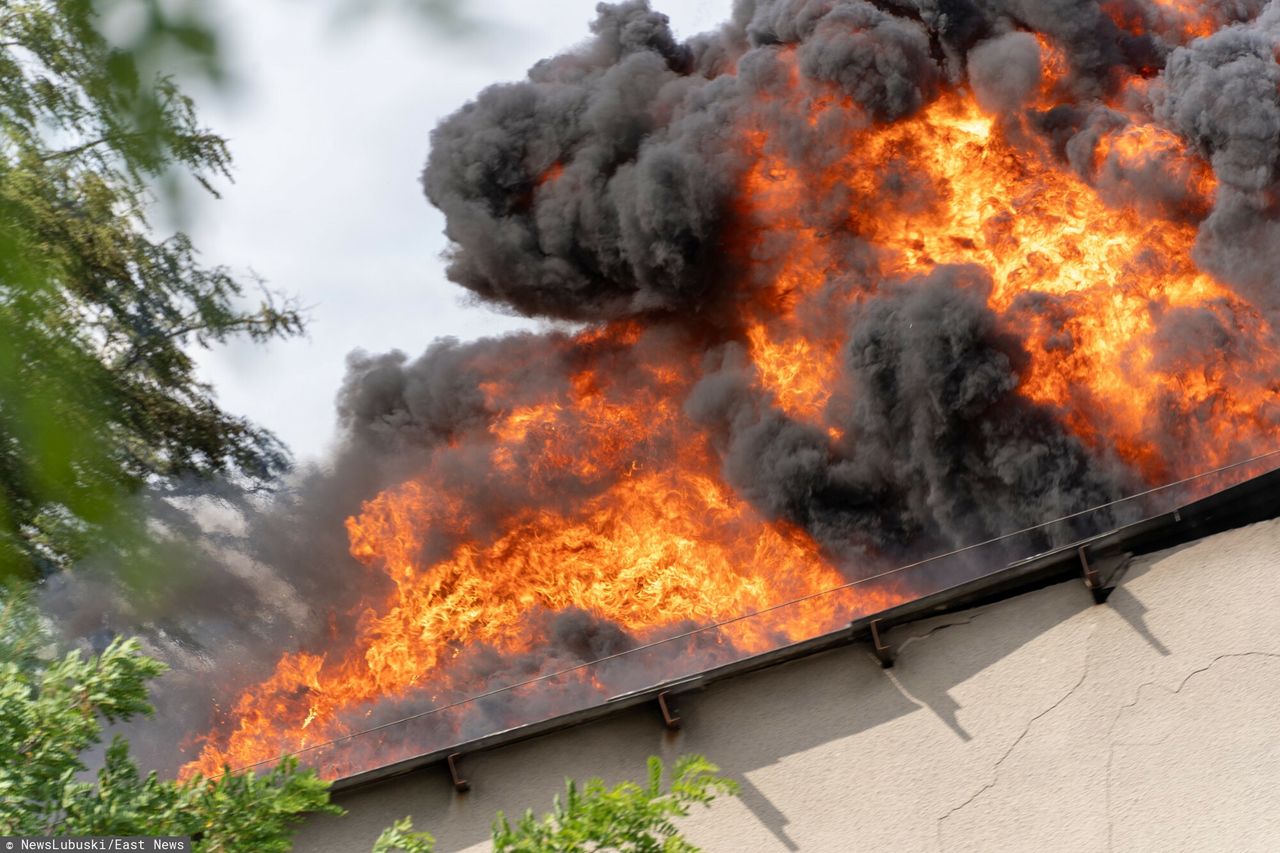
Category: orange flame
[661,548]
[649,537]
[973,197]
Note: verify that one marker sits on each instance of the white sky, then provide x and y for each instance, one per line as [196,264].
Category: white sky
[329,129]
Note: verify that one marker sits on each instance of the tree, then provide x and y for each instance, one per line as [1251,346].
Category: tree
[51,715]
[99,395]
[400,838]
[627,817]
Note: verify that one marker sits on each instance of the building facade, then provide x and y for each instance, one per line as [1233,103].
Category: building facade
[1042,722]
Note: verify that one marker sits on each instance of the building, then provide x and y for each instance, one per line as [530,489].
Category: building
[1015,720]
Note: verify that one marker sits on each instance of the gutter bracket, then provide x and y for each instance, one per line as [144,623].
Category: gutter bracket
[1102,575]
[883,653]
[459,784]
[669,718]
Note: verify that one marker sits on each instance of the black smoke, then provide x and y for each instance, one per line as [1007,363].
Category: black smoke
[603,187]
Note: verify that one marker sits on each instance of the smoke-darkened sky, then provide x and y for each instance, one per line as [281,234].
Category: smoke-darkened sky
[329,126]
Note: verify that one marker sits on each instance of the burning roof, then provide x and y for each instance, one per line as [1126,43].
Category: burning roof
[855,283]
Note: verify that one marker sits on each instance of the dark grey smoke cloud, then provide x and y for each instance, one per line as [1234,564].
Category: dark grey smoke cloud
[1221,94]
[934,373]
[1005,71]
[882,61]
[603,187]
[939,450]
[625,226]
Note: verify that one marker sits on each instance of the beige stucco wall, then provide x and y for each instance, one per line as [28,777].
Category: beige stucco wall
[1040,723]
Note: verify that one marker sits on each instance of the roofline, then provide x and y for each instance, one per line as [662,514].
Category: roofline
[1256,499]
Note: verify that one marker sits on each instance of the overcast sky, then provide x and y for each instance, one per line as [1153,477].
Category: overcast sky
[329,128]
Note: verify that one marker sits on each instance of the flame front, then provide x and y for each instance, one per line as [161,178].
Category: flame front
[594,492]
[652,541]
[1037,229]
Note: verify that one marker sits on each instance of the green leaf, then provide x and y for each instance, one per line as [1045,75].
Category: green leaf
[400,838]
[627,817]
[99,396]
[51,714]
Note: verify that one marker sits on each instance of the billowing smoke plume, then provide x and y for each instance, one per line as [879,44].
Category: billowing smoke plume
[939,449]
[878,278]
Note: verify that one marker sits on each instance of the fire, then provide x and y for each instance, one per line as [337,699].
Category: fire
[634,523]
[1039,230]
[1179,21]
[666,545]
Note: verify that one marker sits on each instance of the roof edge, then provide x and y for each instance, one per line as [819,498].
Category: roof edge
[1254,500]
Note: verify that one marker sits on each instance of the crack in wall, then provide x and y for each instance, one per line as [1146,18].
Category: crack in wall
[936,628]
[1026,731]
[995,768]
[1137,698]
